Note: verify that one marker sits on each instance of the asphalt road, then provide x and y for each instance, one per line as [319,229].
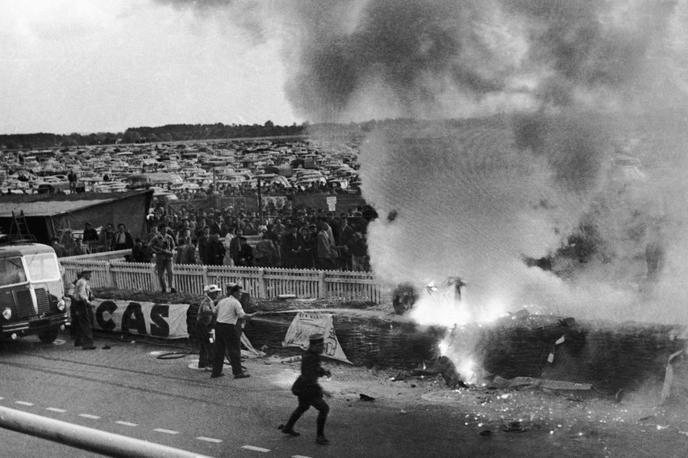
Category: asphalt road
[129,391]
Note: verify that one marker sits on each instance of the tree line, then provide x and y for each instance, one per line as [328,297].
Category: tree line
[170,132]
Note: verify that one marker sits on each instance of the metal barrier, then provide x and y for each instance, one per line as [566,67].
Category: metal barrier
[90,439]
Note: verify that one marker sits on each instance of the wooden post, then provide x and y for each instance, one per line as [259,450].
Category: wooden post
[262,287]
[110,276]
[205,277]
[322,286]
[154,278]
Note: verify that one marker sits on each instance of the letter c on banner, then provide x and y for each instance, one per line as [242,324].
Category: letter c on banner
[133,317]
[109,307]
[159,326]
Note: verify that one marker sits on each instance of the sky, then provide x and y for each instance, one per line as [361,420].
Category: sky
[93,66]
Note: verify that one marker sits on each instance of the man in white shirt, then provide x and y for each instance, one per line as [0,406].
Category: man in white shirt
[228,333]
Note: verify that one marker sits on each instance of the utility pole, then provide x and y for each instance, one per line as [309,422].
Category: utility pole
[260,202]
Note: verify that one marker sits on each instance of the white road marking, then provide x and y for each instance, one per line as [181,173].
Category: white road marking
[255,449]
[89,416]
[209,439]
[125,423]
[24,403]
[55,409]
[300,456]
[166,431]
[1,398]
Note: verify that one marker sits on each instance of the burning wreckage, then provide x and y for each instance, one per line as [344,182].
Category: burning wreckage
[557,353]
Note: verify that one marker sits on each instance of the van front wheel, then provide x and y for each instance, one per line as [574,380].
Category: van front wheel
[49,335]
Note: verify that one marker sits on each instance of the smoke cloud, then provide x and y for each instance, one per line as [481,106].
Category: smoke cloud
[562,87]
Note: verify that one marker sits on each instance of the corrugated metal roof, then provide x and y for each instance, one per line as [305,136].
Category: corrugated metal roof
[47,207]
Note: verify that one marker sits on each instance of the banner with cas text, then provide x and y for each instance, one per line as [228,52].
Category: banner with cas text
[166,321]
[306,324]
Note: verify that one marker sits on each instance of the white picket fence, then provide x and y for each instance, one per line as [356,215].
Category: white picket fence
[259,282]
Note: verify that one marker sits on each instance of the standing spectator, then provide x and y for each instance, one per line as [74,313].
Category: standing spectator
[162,246]
[186,253]
[72,178]
[309,391]
[213,225]
[140,252]
[306,248]
[72,247]
[326,251]
[90,236]
[204,324]
[265,253]
[359,252]
[228,333]
[122,239]
[290,247]
[245,256]
[106,236]
[271,234]
[235,246]
[215,250]
[204,246]
[345,235]
[227,243]
[60,250]
[278,228]
[83,311]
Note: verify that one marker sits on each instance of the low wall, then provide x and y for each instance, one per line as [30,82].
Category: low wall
[368,339]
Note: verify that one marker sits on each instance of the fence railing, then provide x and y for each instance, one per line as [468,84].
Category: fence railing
[259,282]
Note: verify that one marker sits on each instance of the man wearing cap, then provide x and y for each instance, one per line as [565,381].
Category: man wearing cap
[204,325]
[309,391]
[162,246]
[83,311]
[228,333]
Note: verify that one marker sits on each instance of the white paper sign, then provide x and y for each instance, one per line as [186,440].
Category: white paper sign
[306,324]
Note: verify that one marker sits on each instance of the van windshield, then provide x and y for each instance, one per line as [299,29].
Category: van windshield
[11,271]
[42,267]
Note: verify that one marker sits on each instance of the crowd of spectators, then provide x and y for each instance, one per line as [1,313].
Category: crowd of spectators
[291,238]
[273,189]
[92,240]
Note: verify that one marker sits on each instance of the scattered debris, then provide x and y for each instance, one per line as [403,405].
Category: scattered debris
[485,433]
[532,382]
[106,347]
[514,427]
[400,376]
[669,377]
[619,395]
[365,397]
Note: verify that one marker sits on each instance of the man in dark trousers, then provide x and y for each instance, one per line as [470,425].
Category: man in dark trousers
[82,312]
[309,391]
[204,324]
[162,246]
[228,333]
